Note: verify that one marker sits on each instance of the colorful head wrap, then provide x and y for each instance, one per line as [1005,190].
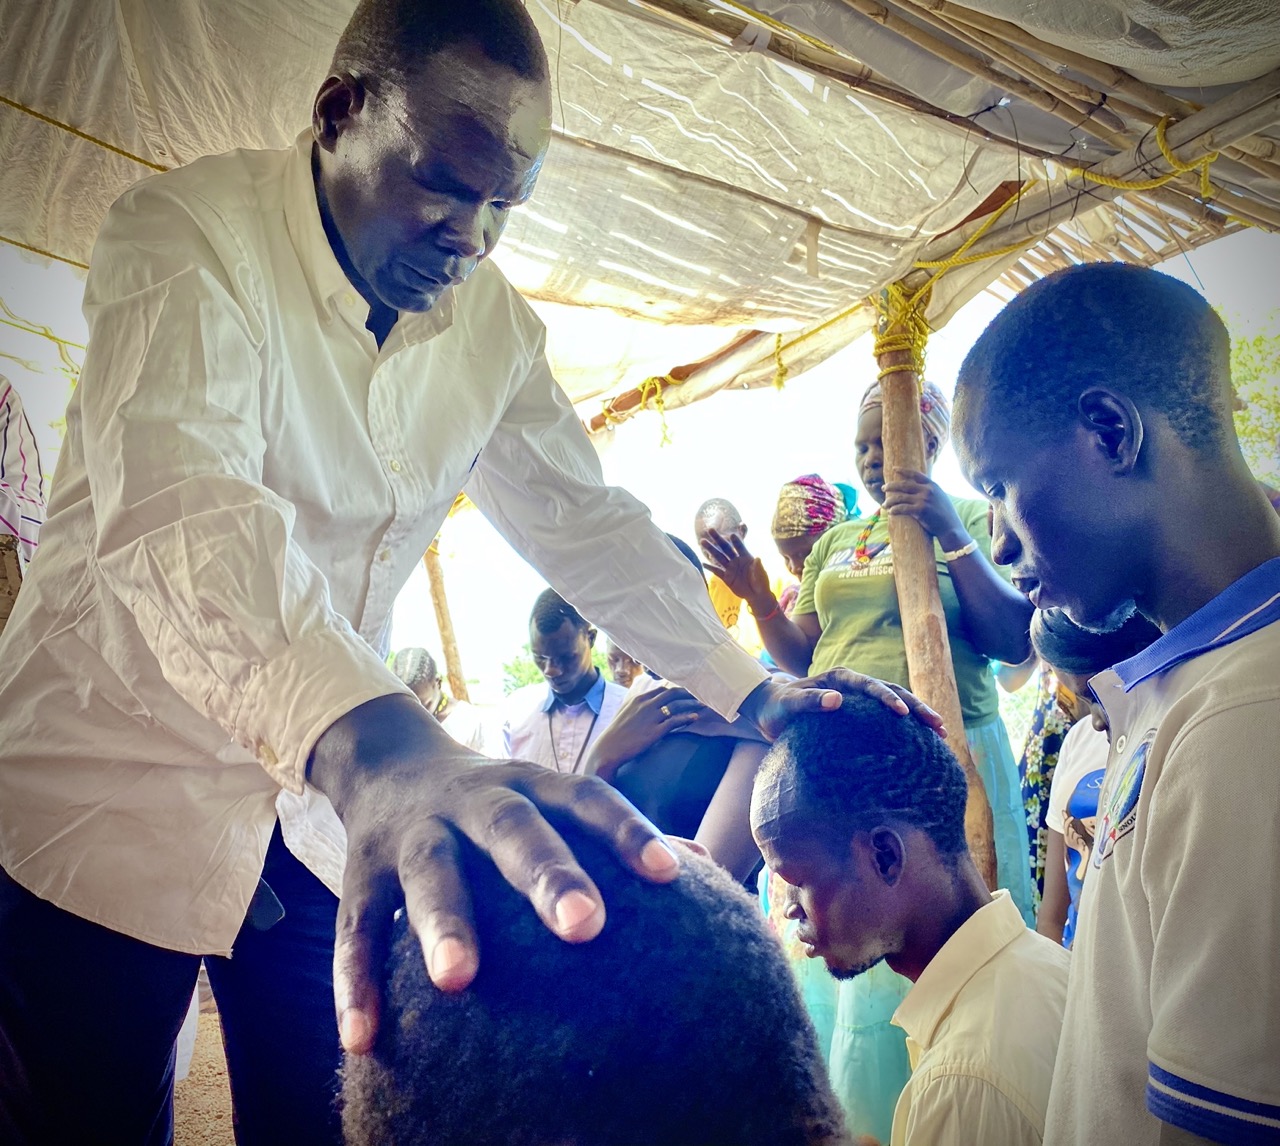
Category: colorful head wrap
[809,506]
[935,410]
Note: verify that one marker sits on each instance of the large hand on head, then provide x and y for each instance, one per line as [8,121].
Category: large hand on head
[777,700]
[403,790]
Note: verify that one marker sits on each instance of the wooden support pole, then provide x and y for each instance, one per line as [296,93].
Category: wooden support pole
[915,574]
[444,622]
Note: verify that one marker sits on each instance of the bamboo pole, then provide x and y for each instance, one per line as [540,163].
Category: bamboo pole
[444,622]
[915,574]
[1085,100]
[1097,121]
[1251,108]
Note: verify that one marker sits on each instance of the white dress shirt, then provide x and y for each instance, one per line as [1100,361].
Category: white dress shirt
[982,1027]
[247,482]
[21,482]
[543,729]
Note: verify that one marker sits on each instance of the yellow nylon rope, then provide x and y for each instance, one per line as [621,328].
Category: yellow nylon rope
[42,251]
[652,388]
[79,134]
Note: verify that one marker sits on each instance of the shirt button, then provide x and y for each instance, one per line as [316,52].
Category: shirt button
[349,299]
[394,466]
[1121,741]
[268,758]
[384,554]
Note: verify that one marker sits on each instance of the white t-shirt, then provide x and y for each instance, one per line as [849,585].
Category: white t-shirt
[1173,1008]
[1073,806]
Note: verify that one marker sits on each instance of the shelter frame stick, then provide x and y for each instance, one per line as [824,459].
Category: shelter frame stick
[915,574]
[444,622]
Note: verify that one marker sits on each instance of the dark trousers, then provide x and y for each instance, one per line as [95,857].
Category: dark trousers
[89,1017]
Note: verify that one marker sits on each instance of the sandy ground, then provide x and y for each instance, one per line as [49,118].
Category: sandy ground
[202,1100]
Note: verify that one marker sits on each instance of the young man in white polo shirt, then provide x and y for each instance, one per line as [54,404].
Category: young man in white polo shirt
[865,821]
[1095,413]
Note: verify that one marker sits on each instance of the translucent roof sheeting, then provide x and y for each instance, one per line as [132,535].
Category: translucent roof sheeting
[699,183]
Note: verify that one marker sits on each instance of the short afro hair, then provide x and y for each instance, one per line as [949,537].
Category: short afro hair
[1109,325]
[864,766]
[551,610]
[679,1025]
[415,667]
[393,38]
[1065,646]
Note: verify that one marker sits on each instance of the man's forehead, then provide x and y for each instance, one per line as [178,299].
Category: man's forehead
[774,800]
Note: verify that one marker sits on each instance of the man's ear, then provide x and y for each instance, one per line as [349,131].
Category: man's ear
[591,637]
[887,854]
[1116,427]
[340,97]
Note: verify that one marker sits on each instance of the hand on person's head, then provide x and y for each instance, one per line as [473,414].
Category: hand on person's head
[777,700]
[405,791]
[917,495]
[730,560]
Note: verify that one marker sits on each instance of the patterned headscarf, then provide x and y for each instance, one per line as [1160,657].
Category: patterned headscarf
[809,506]
[935,410]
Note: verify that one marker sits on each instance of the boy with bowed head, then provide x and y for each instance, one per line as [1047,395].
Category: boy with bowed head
[1095,414]
[863,818]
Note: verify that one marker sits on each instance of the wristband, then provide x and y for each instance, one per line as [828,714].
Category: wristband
[963,551]
[777,608]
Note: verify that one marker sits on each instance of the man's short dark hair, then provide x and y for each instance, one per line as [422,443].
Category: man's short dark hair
[865,766]
[1065,646]
[551,610]
[1110,325]
[392,38]
[679,1025]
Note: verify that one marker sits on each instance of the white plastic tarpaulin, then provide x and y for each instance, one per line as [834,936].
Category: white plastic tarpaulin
[695,183]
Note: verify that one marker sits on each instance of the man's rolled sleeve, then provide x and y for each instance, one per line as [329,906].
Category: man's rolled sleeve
[295,696]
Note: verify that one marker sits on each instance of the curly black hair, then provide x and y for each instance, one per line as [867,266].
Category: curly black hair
[392,38]
[679,1025]
[1109,325]
[551,610]
[864,766]
[1064,646]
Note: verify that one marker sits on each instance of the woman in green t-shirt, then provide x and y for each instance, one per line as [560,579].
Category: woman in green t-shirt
[846,615]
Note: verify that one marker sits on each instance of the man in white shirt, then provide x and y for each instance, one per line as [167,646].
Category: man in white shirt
[298,358]
[1095,412]
[863,817]
[554,724]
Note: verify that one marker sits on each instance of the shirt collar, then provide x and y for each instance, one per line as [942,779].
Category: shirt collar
[981,937]
[328,281]
[594,699]
[1251,603]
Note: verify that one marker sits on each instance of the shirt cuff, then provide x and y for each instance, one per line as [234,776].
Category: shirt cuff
[726,678]
[294,697]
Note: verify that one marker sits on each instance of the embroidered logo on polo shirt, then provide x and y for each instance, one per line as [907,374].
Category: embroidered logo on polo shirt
[1118,807]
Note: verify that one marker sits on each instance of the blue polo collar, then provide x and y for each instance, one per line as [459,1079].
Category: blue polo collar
[594,699]
[1250,604]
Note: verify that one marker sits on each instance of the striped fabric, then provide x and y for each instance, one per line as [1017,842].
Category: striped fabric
[21,482]
[1210,1113]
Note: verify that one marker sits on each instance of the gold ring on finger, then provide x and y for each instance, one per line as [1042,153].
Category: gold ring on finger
[665,710]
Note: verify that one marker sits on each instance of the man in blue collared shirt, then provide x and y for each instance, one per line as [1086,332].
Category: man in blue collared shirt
[1095,413]
[555,724]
